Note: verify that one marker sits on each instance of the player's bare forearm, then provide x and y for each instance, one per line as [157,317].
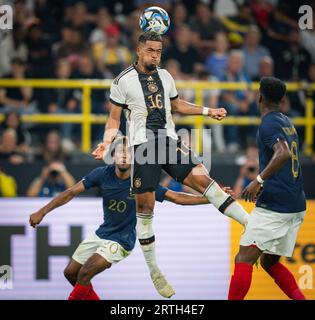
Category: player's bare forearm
[281,155]
[188,108]
[58,201]
[111,130]
[185,107]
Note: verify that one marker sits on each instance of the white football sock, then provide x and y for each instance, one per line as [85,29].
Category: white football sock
[147,241]
[225,203]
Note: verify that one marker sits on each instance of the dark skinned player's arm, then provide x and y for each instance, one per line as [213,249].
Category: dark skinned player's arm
[56,202]
[185,198]
[281,155]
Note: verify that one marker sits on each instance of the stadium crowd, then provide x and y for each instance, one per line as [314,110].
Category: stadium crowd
[226,40]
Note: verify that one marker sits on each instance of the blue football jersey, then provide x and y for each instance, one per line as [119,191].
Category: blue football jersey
[119,205]
[282,192]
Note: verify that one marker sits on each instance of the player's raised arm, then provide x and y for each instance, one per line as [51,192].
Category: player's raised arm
[111,130]
[185,107]
[189,199]
[58,201]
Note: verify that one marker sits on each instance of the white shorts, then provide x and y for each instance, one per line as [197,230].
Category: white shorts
[111,251]
[272,232]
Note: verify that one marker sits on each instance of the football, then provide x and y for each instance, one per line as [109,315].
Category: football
[154,19]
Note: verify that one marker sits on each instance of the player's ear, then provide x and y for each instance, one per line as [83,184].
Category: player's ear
[139,48]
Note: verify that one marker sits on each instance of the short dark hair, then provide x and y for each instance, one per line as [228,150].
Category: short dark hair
[272,89]
[149,36]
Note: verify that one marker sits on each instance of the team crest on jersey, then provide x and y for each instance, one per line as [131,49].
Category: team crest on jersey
[152,87]
[137,183]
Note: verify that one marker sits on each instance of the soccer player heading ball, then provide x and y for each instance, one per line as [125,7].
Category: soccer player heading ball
[148,96]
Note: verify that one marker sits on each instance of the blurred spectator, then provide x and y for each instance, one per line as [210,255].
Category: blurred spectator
[205,26]
[179,16]
[217,61]
[13,121]
[130,28]
[103,21]
[261,10]
[53,180]
[278,30]
[248,172]
[224,7]
[50,15]
[236,102]
[12,46]
[19,99]
[174,68]
[183,51]
[8,187]
[266,68]
[112,54]
[92,7]
[308,40]
[78,18]
[9,150]
[39,52]
[238,25]
[292,63]
[211,100]
[253,52]
[62,99]
[71,46]
[52,149]
[87,70]
[285,108]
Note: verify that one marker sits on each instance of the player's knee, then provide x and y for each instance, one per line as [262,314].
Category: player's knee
[145,207]
[70,275]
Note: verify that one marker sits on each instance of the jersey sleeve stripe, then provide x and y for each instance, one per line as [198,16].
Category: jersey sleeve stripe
[116,80]
[173,98]
[122,105]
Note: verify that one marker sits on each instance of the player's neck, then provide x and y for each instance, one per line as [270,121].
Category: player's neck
[122,175]
[265,110]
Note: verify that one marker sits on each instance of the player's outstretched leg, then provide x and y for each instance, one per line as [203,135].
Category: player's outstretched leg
[281,275]
[146,239]
[243,269]
[83,289]
[199,180]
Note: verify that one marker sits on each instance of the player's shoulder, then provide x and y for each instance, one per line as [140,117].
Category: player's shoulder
[124,74]
[102,170]
[273,119]
[164,72]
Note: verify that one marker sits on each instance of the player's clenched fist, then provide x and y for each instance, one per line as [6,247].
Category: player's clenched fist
[36,218]
[217,114]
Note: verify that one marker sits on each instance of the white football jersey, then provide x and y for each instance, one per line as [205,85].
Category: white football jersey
[146,99]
